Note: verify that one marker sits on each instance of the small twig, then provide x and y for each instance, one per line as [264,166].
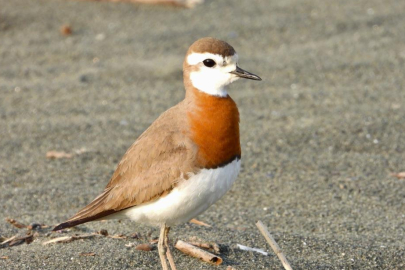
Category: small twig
[273,245]
[86,254]
[198,253]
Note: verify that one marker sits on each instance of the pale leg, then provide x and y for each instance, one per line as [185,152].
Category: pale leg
[168,253]
[161,247]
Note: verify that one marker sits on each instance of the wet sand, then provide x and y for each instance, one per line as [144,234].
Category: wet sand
[321,134]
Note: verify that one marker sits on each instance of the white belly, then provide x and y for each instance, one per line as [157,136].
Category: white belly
[187,200]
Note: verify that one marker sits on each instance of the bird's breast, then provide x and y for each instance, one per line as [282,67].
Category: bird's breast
[214,126]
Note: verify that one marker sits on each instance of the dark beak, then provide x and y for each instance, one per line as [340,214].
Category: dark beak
[244,74]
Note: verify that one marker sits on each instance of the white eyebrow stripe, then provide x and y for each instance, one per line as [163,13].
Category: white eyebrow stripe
[195,58]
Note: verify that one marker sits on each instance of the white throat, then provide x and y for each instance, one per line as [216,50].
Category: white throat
[212,80]
[208,86]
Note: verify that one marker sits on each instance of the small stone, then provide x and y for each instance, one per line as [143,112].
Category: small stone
[66,30]
[83,78]
[103,232]
[34,226]
[144,247]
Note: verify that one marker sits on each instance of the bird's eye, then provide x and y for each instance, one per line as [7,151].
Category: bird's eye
[209,63]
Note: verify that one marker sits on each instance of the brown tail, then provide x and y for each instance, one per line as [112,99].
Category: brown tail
[92,211]
[74,222]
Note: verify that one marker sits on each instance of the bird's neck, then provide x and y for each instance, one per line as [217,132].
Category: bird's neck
[214,126]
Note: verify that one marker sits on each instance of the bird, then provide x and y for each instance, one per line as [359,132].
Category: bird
[187,159]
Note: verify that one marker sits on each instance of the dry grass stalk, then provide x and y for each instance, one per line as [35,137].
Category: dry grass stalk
[178,3]
[67,239]
[61,154]
[153,241]
[63,239]
[17,240]
[20,225]
[273,245]
[246,248]
[198,253]
[117,236]
[6,241]
[198,222]
[58,154]
[86,254]
[400,175]
[15,223]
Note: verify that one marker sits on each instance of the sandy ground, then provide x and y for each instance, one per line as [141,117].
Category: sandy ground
[321,134]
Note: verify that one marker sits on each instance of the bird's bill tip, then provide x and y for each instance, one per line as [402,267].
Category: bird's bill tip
[245,74]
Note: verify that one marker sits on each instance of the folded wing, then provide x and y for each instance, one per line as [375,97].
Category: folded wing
[159,159]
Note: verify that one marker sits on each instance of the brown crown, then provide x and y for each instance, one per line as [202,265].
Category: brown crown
[211,45]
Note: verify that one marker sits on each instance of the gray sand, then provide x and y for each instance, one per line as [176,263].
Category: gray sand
[320,135]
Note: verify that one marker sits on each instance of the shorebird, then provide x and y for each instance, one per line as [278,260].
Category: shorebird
[187,159]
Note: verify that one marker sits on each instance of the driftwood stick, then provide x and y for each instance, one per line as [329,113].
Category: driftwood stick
[212,246]
[198,253]
[273,245]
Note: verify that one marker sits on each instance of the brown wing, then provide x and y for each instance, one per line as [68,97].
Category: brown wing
[160,158]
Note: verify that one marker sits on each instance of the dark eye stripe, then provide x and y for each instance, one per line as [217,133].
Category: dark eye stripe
[209,63]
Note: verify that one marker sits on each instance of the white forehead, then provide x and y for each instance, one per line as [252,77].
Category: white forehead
[195,58]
